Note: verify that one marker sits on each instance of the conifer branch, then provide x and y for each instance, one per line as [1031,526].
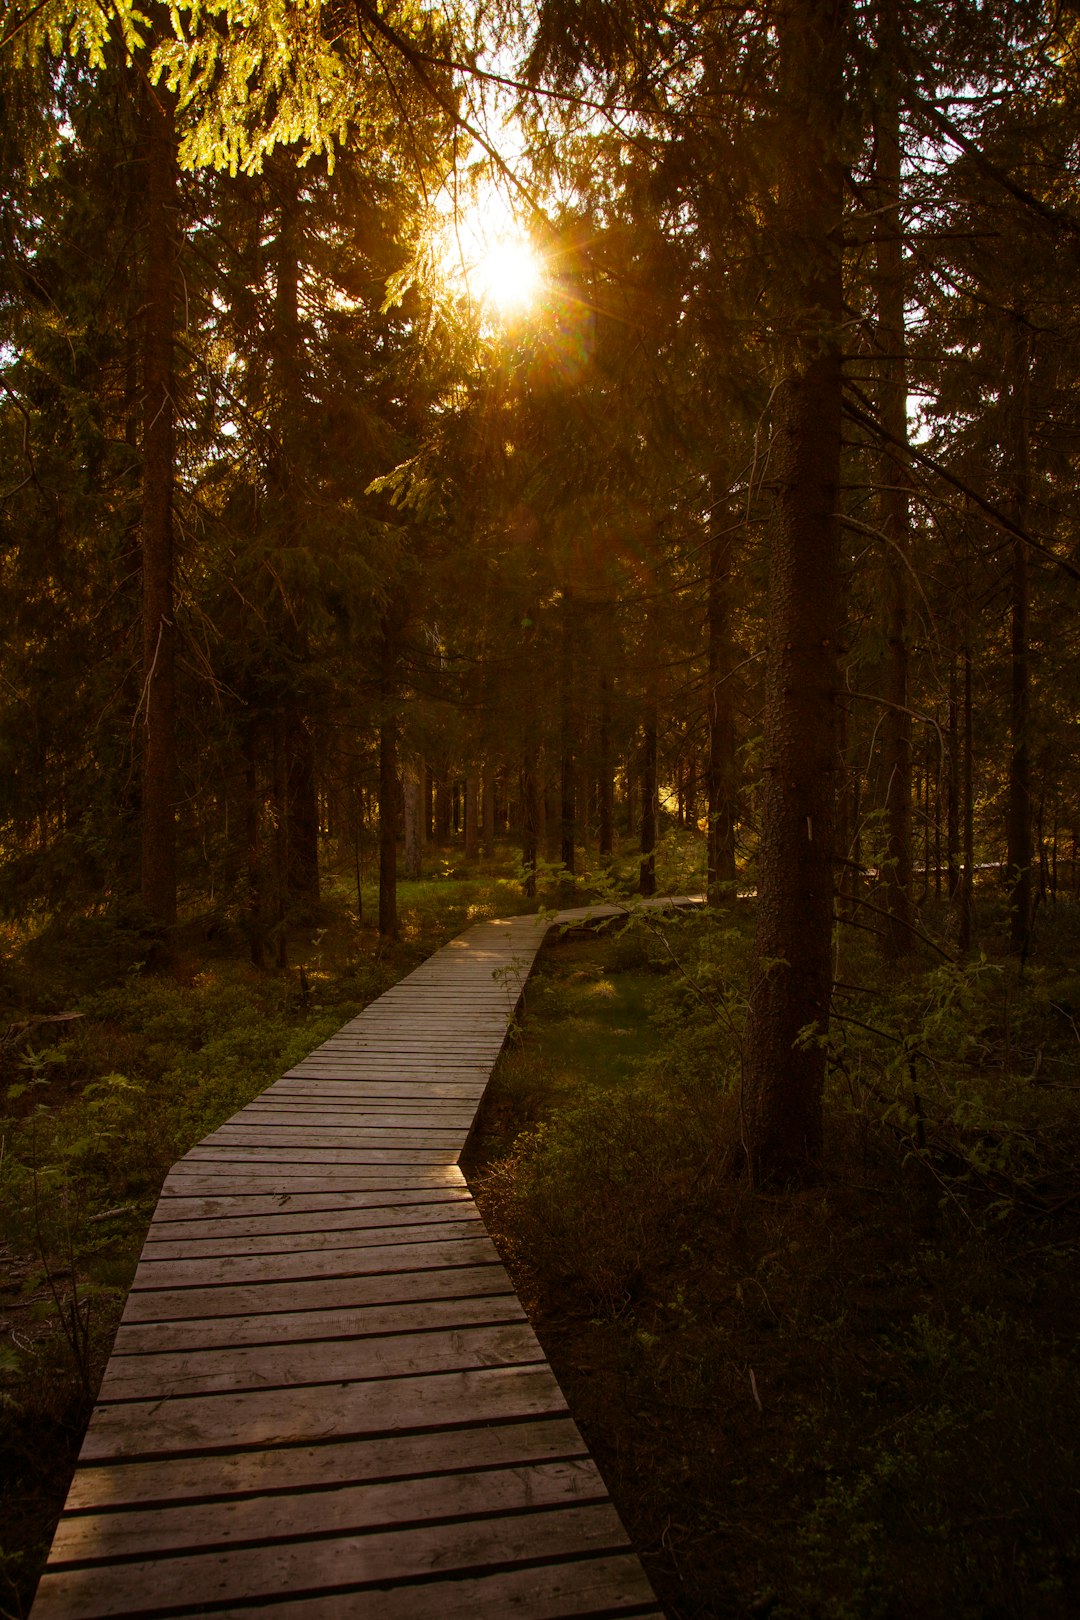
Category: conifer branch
[987,507]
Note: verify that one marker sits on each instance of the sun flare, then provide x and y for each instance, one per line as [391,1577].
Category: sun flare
[507,276]
[486,253]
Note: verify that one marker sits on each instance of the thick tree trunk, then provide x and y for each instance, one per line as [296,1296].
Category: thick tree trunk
[1019,806]
[792,982]
[647,874]
[722,772]
[894,502]
[159,772]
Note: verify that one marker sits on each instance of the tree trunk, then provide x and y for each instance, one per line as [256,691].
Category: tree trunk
[530,824]
[966,923]
[389,786]
[792,982]
[443,809]
[1019,807]
[285,471]
[567,759]
[281,840]
[647,876]
[256,944]
[472,818]
[606,777]
[488,818]
[722,773]
[303,828]
[952,827]
[893,498]
[543,817]
[413,825]
[159,772]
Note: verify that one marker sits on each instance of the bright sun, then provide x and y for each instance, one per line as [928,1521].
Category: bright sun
[507,276]
[485,251]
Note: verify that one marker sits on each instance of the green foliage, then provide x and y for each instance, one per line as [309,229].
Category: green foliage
[858,1402]
[912,1520]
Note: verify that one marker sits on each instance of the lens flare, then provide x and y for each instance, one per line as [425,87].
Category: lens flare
[507,276]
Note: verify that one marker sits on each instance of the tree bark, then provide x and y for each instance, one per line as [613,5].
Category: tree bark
[966,924]
[281,840]
[952,829]
[722,772]
[303,801]
[159,766]
[472,817]
[647,873]
[606,777]
[488,816]
[443,808]
[530,824]
[256,945]
[894,503]
[1019,804]
[411,792]
[389,786]
[792,982]
[303,827]
[567,754]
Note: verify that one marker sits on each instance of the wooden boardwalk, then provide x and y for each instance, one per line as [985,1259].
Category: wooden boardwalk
[324,1398]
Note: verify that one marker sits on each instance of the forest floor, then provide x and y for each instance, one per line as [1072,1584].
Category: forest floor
[860,1401]
[856,1401]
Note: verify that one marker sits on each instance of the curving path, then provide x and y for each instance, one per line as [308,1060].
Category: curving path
[324,1398]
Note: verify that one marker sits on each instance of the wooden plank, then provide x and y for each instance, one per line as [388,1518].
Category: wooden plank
[209,1423]
[347,1508]
[177,1207]
[377,1111]
[322,1293]
[297,1468]
[410,1316]
[263,1134]
[353,1561]
[283,1220]
[210,1181]
[413,1255]
[285,1242]
[402,1085]
[277,1366]
[606,1586]
[307,1159]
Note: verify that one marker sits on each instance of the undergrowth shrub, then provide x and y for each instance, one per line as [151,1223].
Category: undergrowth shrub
[859,1401]
[965,1504]
[599,1195]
